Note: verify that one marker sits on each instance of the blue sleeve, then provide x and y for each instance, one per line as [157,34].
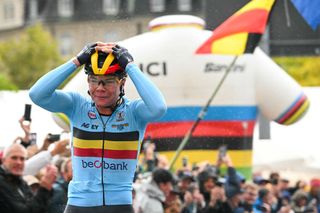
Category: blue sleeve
[45,94]
[232,176]
[152,106]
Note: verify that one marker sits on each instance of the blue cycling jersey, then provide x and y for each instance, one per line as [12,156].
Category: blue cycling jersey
[104,148]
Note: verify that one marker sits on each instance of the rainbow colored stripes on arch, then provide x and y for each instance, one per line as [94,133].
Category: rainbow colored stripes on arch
[241,32]
[295,111]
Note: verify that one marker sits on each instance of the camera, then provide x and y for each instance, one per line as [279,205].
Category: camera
[53,137]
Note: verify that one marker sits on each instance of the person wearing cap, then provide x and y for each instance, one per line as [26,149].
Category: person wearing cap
[261,182]
[107,128]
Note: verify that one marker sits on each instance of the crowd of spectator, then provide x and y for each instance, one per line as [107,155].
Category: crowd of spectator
[205,189]
[35,179]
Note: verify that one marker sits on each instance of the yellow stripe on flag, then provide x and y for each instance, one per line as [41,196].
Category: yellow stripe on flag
[111,145]
[233,44]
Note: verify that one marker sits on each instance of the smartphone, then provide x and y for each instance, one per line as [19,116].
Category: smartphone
[53,137]
[184,162]
[27,112]
[222,151]
[33,138]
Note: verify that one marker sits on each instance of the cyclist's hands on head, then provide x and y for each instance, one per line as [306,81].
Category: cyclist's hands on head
[85,54]
[122,55]
[105,47]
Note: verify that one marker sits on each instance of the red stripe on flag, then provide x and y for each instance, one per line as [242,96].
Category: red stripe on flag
[204,128]
[114,154]
[253,21]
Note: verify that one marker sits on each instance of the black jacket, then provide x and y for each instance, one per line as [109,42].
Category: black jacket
[17,197]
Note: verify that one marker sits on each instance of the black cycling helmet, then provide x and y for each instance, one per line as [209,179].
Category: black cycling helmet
[102,63]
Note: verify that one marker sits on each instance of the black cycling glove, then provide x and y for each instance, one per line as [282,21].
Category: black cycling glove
[122,55]
[84,55]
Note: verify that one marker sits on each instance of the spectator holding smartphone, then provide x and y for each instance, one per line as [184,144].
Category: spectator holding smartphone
[26,127]
[29,140]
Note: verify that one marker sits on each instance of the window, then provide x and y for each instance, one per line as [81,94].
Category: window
[8,10]
[33,9]
[131,6]
[184,5]
[157,5]
[66,44]
[65,8]
[111,7]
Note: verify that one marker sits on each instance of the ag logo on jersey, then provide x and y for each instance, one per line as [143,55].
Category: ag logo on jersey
[92,115]
[120,116]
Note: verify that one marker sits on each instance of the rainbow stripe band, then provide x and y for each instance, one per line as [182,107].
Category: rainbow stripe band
[204,129]
[295,111]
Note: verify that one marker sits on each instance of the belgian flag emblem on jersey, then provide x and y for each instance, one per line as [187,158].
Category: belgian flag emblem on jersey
[114,145]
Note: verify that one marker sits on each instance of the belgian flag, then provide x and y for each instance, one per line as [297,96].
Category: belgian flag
[241,32]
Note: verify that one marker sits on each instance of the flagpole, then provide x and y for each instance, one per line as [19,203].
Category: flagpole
[201,114]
